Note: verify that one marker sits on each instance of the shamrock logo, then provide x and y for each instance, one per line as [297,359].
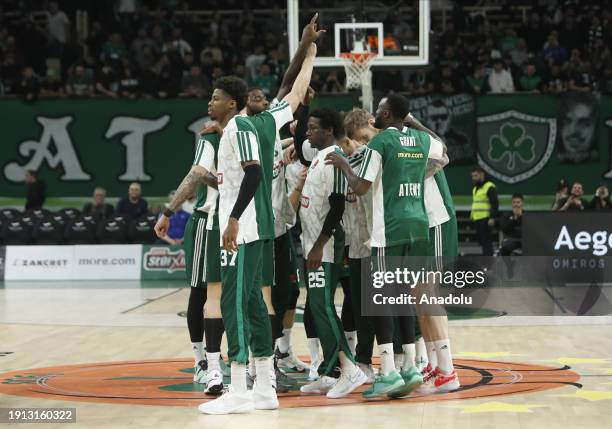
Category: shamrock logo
[511,142]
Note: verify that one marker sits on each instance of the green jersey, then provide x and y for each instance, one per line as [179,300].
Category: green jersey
[395,163]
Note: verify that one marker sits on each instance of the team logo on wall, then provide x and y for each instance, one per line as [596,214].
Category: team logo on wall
[164,259]
[514,146]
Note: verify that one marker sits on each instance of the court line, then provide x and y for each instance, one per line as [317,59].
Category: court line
[150,300]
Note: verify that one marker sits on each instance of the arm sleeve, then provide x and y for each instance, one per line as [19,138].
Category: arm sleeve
[492,194]
[245,145]
[205,155]
[248,188]
[334,216]
[300,133]
[281,112]
[371,165]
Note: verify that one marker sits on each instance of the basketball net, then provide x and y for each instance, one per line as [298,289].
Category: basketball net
[358,75]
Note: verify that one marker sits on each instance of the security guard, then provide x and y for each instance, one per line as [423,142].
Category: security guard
[485,206]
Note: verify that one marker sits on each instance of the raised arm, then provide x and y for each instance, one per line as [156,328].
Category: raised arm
[300,86]
[309,36]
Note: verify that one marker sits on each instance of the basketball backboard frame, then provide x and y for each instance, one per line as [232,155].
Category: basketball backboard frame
[294,30]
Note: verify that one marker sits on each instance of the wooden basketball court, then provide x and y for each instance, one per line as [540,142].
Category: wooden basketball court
[119,353]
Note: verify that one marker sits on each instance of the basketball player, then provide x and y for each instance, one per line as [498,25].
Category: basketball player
[395,166]
[321,210]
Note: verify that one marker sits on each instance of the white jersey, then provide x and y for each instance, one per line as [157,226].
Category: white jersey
[284,216]
[322,181]
[239,144]
[357,219]
[434,204]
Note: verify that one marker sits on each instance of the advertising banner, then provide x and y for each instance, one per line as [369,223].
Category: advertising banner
[39,263]
[163,262]
[107,262]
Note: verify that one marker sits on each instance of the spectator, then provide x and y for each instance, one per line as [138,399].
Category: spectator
[178,221]
[574,202]
[58,25]
[266,80]
[560,194]
[114,49]
[477,82]
[99,209]
[143,48]
[254,61]
[595,33]
[332,84]
[500,80]
[509,41]
[178,44]
[36,191]
[106,81]
[601,199]
[582,80]
[555,82]
[420,83]
[80,84]
[30,85]
[51,86]
[446,82]
[129,83]
[133,206]
[511,225]
[165,78]
[519,53]
[485,206]
[530,81]
[553,52]
[194,84]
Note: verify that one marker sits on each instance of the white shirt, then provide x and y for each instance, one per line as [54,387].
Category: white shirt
[501,82]
[57,26]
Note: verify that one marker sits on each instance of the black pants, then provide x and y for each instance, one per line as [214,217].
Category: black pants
[509,245]
[484,236]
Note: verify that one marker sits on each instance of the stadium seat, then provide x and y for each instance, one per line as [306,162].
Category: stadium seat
[112,231]
[70,213]
[47,231]
[39,213]
[16,232]
[80,231]
[141,231]
[9,214]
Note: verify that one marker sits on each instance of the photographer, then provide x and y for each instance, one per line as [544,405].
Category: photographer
[601,200]
[574,202]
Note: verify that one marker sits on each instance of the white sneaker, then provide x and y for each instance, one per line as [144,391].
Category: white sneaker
[368,371]
[290,361]
[313,374]
[213,379]
[229,403]
[320,386]
[264,398]
[199,370]
[347,383]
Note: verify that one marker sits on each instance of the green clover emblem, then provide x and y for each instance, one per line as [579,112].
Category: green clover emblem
[511,142]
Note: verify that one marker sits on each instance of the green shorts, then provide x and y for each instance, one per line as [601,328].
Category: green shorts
[201,248]
[407,255]
[444,242]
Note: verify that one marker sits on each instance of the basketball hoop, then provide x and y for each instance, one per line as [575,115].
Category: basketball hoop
[357,68]
[358,75]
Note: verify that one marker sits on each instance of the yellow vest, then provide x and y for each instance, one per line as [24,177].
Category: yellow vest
[481,207]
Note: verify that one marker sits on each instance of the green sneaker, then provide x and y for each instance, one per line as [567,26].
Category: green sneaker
[384,384]
[412,380]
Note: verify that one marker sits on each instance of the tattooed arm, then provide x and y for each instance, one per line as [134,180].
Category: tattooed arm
[196,176]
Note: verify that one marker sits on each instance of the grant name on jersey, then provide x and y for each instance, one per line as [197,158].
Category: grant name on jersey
[408,141]
[410,190]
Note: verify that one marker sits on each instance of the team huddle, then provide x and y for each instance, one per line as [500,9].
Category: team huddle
[363,187]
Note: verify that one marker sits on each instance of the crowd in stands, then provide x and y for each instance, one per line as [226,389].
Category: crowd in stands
[147,49]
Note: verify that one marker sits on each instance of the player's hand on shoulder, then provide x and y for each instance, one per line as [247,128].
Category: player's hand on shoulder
[211,127]
[336,159]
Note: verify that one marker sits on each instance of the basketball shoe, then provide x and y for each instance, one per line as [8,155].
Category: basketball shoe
[231,402]
[213,380]
[289,360]
[320,386]
[383,384]
[349,380]
[199,370]
[412,380]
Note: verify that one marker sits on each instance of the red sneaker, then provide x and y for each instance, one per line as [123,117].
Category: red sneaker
[428,387]
[446,382]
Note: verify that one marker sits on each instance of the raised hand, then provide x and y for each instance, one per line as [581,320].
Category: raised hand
[311,34]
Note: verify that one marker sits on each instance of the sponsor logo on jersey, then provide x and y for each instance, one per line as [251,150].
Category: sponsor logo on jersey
[410,190]
[411,155]
[305,201]
[351,197]
[164,259]
[219,178]
[408,141]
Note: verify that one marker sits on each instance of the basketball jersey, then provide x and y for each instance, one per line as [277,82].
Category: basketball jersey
[357,214]
[395,163]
